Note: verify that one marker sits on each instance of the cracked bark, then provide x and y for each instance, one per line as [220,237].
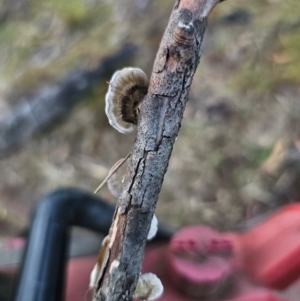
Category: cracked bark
[160,119]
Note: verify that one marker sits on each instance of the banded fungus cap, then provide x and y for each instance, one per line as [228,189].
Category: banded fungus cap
[127,89]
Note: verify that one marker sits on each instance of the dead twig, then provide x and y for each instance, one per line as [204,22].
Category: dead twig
[159,123]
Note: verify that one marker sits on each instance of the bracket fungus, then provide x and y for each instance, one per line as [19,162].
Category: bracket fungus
[104,252]
[149,287]
[126,91]
[100,264]
[153,228]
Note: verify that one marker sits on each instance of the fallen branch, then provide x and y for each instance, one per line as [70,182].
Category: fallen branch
[55,101]
[158,127]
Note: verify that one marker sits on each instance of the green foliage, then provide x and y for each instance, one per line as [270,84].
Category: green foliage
[260,155]
[8,33]
[291,49]
[74,12]
[258,78]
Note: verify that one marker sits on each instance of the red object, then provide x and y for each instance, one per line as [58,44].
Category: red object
[199,262]
[202,264]
[78,278]
[240,288]
[270,252]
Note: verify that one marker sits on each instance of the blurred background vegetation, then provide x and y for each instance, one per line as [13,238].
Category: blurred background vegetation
[237,154]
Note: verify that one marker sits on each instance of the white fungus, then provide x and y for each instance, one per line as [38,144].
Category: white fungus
[153,228]
[102,260]
[94,276]
[114,265]
[149,287]
[186,26]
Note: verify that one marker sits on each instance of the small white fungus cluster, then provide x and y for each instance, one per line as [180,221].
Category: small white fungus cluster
[149,287]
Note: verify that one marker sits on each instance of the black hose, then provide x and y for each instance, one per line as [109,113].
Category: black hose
[43,268]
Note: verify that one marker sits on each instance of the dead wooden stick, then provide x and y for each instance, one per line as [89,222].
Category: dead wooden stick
[158,127]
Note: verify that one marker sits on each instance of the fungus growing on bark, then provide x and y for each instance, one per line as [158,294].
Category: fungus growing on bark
[153,228]
[149,287]
[101,263]
[114,184]
[126,91]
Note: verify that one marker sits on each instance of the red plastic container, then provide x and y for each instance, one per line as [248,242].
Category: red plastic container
[270,252]
[196,266]
[240,288]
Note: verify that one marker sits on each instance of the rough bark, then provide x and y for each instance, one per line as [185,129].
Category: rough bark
[158,127]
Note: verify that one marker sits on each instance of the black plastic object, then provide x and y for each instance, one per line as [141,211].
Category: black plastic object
[42,275]
[43,268]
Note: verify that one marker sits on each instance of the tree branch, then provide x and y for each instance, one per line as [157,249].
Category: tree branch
[159,124]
